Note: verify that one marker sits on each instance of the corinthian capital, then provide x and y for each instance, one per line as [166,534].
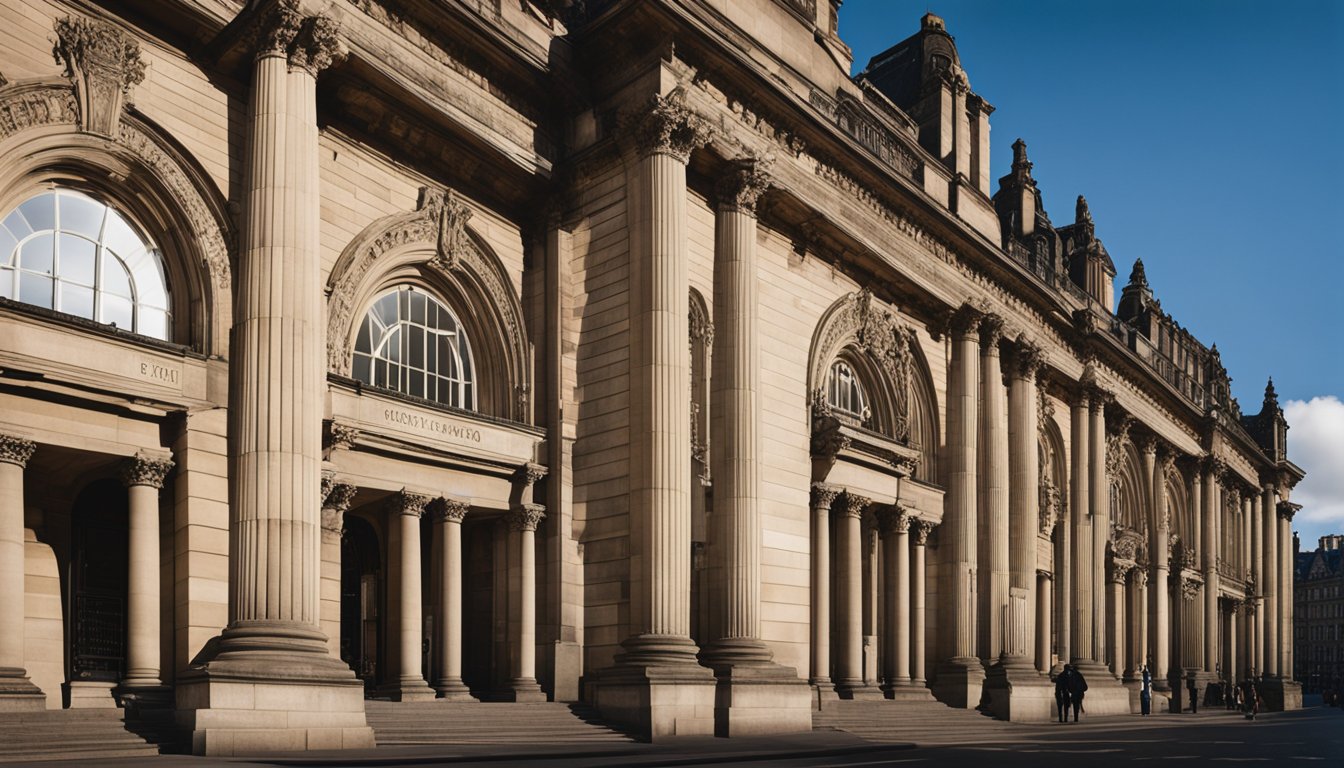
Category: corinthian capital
[276,29]
[446,510]
[742,186]
[822,496]
[16,450]
[339,496]
[406,502]
[922,530]
[311,43]
[145,470]
[1028,358]
[854,506]
[893,519]
[103,63]
[666,126]
[991,330]
[964,321]
[525,517]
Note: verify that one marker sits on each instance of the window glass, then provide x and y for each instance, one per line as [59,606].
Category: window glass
[844,393]
[104,268]
[412,343]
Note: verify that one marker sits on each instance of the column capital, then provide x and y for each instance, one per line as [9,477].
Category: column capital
[854,506]
[1140,577]
[1041,573]
[340,435]
[1287,510]
[338,496]
[528,474]
[407,502]
[964,321]
[103,64]
[1212,465]
[991,330]
[143,469]
[525,517]
[1148,444]
[742,185]
[893,518]
[15,449]
[922,529]
[1028,358]
[1118,572]
[666,126]
[448,510]
[317,45]
[823,496]
[1190,587]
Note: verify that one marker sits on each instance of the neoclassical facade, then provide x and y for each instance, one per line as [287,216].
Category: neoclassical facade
[625,352]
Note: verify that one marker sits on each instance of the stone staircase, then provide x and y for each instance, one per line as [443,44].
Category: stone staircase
[438,722]
[67,734]
[920,722]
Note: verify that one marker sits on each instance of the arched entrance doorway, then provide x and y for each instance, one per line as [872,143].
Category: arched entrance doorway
[361,572]
[98,571]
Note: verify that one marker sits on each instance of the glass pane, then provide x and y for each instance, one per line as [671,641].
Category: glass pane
[40,212]
[7,245]
[115,279]
[115,310]
[38,254]
[6,282]
[417,382]
[76,300]
[392,346]
[362,340]
[35,290]
[386,310]
[147,273]
[432,355]
[78,257]
[416,345]
[118,235]
[468,397]
[417,308]
[17,225]
[361,369]
[152,322]
[81,215]
[380,373]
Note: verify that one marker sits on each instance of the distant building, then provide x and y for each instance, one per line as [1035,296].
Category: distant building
[1319,601]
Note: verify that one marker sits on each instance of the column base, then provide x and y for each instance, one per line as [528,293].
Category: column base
[413,689]
[1280,695]
[144,696]
[958,682]
[1014,691]
[823,692]
[656,689]
[761,699]
[17,692]
[908,690]
[523,690]
[1105,695]
[270,687]
[89,694]
[858,690]
[453,689]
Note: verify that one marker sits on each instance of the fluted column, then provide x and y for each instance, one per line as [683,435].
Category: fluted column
[660,374]
[895,523]
[1207,489]
[336,498]
[1099,501]
[17,692]
[1138,612]
[1117,626]
[849,551]
[404,511]
[524,519]
[1044,601]
[1083,622]
[143,476]
[993,544]
[448,515]
[1159,640]
[736,382]
[957,560]
[1024,489]
[1264,505]
[1284,590]
[1271,586]
[918,620]
[822,498]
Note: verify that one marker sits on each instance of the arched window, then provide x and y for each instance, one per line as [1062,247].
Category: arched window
[411,343]
[65,251]
[844,393]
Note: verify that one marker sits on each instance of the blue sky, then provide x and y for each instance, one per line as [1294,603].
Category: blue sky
[1208,138]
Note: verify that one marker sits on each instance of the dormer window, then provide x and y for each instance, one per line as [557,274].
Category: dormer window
[844,393]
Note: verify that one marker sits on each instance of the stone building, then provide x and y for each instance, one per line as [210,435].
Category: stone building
[1318,616]
[621,351]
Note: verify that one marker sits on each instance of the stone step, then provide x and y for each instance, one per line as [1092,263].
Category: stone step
[922,722]
[69,734]
[440,723]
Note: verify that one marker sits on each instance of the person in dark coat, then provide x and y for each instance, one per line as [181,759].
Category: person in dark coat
[1062,693]
[1077,687]
[1146,692]
[1194,693]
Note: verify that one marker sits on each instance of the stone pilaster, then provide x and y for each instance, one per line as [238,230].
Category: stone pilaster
[144,476]
[524,519]
[448,515]
[960,675]
[656,686]
[993,497]
[918,620]
[1116,578]
[404,510]
[17,692]
[1138,629]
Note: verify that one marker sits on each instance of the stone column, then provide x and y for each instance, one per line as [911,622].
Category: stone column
[404,511]
[1270,588]
[1024,487]
[1044,603]
[143,476]
[1082,619]
[1261,510]
[1099,501]
[336,502]
[17,692]
[849,552]
[1118,575]
[895,523]
[822,498]
[1207,489]
[1284,590]
[1160,636]
[448,516]
[735,430]
[918,622]
[524,519]
[1138,611]
[994,533]
[960,675]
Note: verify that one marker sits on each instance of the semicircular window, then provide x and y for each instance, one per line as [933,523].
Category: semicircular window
[412,343]
[66,251]
[845,395]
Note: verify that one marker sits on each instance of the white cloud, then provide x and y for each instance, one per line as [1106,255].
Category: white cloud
[1316,443]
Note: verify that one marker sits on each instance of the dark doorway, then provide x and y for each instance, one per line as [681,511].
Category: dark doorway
[99,564]
[361,574]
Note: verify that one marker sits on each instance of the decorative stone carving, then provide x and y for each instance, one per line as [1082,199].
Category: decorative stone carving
[854,505]
[1118,572]
[1028,358]
[922,529]
[16,450]
[103,64]
[276,29]
[991,330]
[742,185]
[1190,587]
[32,108]
[451,216]
[667,126]
[340,436]
[893,519]
[406,502]
[1287,510]
[1115,447]
[1049,507]
[528,475]
[335,503]
[145,470]
[858,320]
[823,496]
[446,510]
[525,517]
[1140,578]
[701,329]
[317,45]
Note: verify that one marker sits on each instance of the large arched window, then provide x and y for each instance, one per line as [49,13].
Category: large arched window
[844,393]
[65,251]
[412,343]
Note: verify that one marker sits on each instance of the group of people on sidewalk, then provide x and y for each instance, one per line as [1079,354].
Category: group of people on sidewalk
[1070,686]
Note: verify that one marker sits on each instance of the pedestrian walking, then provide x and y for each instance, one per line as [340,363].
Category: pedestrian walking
[1062,693]
[1193,691]
[1077,687]
[1146,692]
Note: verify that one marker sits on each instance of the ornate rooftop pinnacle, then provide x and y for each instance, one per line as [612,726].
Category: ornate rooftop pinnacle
[1271,397]
[1082,214]
[1020,161]
[103,63]
[1137,275]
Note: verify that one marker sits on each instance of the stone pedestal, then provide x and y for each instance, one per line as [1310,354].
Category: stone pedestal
[958,682]
[1105,695]
[1280,695]
[1015,691]
[91,694]
[657,700]
[756,700]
